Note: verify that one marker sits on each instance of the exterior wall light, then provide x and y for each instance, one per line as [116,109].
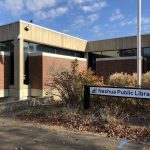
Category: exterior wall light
[28,27]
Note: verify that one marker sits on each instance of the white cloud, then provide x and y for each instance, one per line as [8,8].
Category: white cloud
[93,17]
[14,6]
[36,5]
[19,7]
[81,21]
[145,20]
[94,6]
[133,21]
[96,29]
[116,15]
[57,12]
[82,1]
[52,13]
[79,1]
[146,29]
[127,22]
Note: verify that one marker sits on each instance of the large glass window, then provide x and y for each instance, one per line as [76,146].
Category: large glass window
[109,54]
[8,46]
[34,47]
[115,53]
[127,52]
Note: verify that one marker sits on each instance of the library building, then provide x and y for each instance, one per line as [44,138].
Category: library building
[29,53]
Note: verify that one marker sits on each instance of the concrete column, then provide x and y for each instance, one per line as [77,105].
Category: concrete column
[18,68]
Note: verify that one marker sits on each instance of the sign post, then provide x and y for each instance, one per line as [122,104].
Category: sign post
[139,58]
[86,97]
[136,93]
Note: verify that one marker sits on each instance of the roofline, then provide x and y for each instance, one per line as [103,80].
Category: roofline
[43,28]
[3,24]
[131,36]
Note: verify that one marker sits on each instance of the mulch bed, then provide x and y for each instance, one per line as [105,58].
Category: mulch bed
[141,134]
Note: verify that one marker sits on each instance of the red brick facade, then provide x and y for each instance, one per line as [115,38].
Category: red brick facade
[35,72]
[42,68]
[4,72]
[107,67]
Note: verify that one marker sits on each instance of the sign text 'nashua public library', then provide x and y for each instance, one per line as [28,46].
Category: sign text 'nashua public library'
[121,92]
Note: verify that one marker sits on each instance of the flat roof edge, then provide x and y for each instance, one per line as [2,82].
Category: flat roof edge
[130,36]
[42,28]
[52,30]
[3,24]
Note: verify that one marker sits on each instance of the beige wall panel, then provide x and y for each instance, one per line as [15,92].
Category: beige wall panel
[118,43]
[146,41]
[49,37]
[9,32]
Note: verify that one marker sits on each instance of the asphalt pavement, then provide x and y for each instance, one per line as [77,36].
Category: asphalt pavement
[22,135]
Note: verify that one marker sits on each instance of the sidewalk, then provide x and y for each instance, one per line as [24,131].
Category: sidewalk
[21,135]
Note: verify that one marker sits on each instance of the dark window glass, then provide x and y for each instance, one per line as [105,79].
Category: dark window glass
[146,51]
[65,52]
[7,46]
[127,52]
[26,68]
[92,61]
[33,47]
[44,48]
[80,54]
[115,53]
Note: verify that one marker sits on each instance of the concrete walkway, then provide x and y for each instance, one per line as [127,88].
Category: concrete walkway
[21,135]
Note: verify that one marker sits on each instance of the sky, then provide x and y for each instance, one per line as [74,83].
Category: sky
[86,19]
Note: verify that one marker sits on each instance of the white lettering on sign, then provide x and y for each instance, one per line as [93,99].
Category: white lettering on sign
[120,92]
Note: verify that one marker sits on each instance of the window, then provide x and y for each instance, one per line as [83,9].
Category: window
[33,47]
[7,46]
[146,52]
[127,52]
[115,53]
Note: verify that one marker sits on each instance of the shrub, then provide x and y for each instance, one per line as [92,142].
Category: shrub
[146,80]
[70,84]
[122,80]
[112,114]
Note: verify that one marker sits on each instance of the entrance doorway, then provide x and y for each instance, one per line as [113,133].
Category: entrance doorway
[26,68]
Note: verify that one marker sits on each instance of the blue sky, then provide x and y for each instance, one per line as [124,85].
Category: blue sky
[86,19]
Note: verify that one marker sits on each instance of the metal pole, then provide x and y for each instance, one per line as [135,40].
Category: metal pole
[139,58]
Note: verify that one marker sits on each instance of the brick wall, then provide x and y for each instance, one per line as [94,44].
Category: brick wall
[35,72]
[4,71]
[42,67]
[52,65]
[106,67]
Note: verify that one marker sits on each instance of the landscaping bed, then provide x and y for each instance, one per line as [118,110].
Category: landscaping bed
[132,127]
